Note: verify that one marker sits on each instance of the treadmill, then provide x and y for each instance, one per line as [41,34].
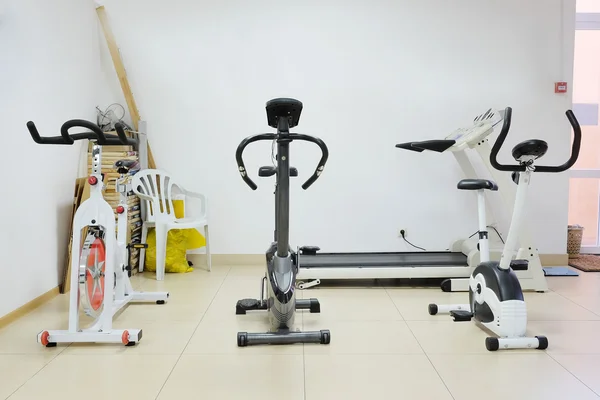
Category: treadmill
[456,263]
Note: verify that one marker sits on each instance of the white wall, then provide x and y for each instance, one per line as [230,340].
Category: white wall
[49,67]
[371,74]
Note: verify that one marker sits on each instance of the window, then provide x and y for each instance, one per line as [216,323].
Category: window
[588,6]
[584,206]
[584,185]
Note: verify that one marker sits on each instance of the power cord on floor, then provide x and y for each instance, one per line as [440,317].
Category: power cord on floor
[403,234]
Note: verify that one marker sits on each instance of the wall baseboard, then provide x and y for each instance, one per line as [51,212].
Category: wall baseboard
[228,259]
[548,260]
[552,260]
[28,307]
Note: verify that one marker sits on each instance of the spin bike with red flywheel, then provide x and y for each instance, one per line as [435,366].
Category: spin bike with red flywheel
[100,270]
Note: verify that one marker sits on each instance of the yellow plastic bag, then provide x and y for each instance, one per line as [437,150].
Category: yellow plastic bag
[194,238]
[179,241]
[175,260]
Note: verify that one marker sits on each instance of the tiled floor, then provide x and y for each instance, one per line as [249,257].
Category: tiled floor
[384,345]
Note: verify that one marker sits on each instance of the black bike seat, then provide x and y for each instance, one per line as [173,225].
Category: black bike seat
[271,170]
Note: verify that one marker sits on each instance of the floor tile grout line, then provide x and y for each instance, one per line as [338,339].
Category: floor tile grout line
[303,353]
[304,349]
[570,372]
[192,335]
[577,304]
[304,364]
[421,346]
[37,372]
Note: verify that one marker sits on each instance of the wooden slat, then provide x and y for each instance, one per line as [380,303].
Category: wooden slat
[122,75]
[119,67]
[151,163]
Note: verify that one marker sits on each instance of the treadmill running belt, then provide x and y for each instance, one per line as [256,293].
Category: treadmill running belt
[374,260]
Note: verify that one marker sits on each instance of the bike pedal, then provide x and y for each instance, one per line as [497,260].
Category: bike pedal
[461,315]
[309,250]
[519,265]
[315,306]
[249,304]
[137,246]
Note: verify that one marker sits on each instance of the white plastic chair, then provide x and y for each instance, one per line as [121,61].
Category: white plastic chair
[155,188]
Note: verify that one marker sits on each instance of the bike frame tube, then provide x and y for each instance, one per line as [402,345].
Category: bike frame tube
[484,245]
[510,247]
[282,191]
[276,214]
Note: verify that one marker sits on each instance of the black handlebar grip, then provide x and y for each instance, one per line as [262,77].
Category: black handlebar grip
[35,135]
[240,162]
[574,149]
[322,161]
[96,132]
[245,177]
[576,140]
[239,156]
[313,177]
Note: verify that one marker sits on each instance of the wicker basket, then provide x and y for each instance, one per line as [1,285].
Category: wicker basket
[574,236]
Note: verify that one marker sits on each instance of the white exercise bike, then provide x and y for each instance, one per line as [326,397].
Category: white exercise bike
[495,296]
[100,268]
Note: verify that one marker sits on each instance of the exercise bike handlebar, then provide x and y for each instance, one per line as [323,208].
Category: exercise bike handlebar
[541,168]
[273,136]
[95,134]
[240,151]
[322,161]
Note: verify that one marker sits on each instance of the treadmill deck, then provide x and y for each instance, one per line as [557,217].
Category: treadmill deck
[378,260]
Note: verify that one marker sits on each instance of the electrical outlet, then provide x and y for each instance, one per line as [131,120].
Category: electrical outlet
[402,233]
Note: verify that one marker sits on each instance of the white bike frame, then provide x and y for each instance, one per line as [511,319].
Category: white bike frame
[96,213]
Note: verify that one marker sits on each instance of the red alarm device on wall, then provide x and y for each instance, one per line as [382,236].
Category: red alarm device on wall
[560,87]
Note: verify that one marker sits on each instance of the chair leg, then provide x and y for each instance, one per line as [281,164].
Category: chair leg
[161,250]
[208,256]
[143,251]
